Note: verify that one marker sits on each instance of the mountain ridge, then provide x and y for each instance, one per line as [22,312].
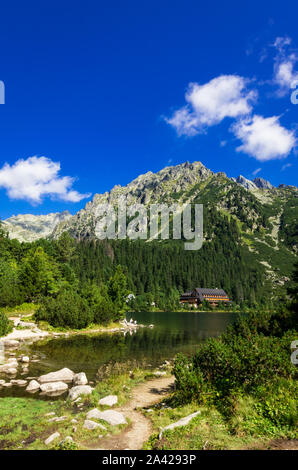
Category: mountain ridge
[256,204]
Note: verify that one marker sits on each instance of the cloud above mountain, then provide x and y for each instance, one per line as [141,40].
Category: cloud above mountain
[36,177]
[264,138]
[208,104]
[285,60]
[232,96]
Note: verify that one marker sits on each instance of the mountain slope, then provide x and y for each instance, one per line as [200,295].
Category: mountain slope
[265,216]
[28,227]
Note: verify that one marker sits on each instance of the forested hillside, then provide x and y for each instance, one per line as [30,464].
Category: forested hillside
[249,247]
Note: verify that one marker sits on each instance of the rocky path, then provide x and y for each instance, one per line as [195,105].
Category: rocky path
[143,396]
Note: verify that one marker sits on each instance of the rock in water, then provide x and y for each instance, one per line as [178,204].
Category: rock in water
[80,379]
[78,390]
[20,383]
[11,343]
[53,387]
[62,375]
[32,386]
[110,400]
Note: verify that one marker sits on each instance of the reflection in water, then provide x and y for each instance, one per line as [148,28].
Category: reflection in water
[99,355]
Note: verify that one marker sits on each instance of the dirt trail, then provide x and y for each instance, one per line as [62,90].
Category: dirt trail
[143,396]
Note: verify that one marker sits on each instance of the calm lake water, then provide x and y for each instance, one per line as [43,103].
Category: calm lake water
[100,355]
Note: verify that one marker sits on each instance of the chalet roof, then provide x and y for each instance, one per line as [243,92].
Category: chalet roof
[186,294]
[203,291]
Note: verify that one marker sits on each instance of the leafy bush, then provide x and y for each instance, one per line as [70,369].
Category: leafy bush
[189,380]
[279,403]
[237,364]
[5,324]
[102,307]
[268,323]
[67,310]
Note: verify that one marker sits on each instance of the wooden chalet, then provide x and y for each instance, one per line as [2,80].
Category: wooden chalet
[198,295]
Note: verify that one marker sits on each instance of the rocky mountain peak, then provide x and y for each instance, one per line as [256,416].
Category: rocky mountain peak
[246,183]
[261,183]
[29,227]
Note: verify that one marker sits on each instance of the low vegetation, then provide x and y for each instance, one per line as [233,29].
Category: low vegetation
[26,422]
[5,324]
[243,382]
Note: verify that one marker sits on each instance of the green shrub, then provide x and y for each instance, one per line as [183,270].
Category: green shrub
[189,380]
[279,403]
[102,307]
[5,324]
[67,310]
[237,364]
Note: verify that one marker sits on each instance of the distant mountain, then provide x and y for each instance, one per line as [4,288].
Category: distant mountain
[266,216]
[28,227]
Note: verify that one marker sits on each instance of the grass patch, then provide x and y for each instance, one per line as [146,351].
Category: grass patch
[24,424]
[249,426]
[26,309]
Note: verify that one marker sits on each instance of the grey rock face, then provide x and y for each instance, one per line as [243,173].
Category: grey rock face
[262,184]
[146,189]
[28,227]
[246,183]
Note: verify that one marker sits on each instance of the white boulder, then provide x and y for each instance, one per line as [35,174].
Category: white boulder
[182,422]
[32,386]
[89,424]
[11,343]
[80,379]
[19,382]
[78,390]
[10,368]
[51,438]
[109,400]
[53,387]
[11,371]
[62,375]
[159,373]
[114,418]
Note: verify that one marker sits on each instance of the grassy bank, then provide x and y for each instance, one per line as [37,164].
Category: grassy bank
[253,423]
[27,311]
[25,425]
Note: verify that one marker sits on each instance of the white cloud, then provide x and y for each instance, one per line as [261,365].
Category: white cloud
[284,74]
[287,165]
[264,138]
[281,43]
[36,177]
[257,170]
[208,104]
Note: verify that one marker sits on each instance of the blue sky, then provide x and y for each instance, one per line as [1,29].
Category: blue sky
[97,93]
